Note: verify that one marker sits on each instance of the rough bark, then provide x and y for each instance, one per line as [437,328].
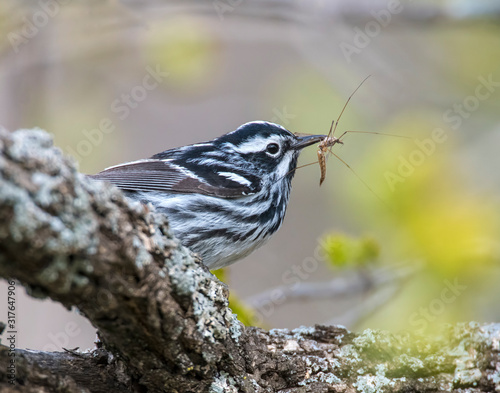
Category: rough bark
[163,318]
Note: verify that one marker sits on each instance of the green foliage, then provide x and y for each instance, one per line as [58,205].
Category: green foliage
[346,251]
[436,216]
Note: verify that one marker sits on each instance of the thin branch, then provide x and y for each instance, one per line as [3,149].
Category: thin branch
[346,285]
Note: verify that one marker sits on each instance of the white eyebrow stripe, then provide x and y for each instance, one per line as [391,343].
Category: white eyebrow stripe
[257,144]
[253,146]
[237,178]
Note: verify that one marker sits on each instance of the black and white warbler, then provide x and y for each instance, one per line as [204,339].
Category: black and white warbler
[224,198]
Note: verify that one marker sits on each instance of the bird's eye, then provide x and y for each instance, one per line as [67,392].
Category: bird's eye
[273,148]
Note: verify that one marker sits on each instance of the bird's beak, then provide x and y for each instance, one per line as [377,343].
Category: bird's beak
[304,141]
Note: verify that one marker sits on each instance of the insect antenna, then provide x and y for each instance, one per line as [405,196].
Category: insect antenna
[372,132]
[327,144]
[333,127]
[345,106]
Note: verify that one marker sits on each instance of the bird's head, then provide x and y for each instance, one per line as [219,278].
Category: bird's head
[266,147]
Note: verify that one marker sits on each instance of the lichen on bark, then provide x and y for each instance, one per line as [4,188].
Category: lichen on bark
[163,318]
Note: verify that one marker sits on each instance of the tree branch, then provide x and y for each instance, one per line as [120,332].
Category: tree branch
[84,245]
[346,284]
[163,318]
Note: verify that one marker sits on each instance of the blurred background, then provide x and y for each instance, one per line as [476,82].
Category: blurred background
[405,241]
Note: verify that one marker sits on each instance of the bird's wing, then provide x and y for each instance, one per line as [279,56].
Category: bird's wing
[164,176]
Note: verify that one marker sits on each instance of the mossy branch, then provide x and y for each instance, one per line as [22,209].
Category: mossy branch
[162,316]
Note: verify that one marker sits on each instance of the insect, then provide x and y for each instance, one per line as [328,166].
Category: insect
[326,145]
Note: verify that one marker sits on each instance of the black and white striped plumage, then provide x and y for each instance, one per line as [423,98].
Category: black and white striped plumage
[223,198]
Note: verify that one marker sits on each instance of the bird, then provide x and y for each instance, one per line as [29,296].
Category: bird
[223,198]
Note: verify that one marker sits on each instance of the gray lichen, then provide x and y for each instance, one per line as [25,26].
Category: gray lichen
[31,206]
[223,383]
[208,297]
[160,309]
[74,231]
